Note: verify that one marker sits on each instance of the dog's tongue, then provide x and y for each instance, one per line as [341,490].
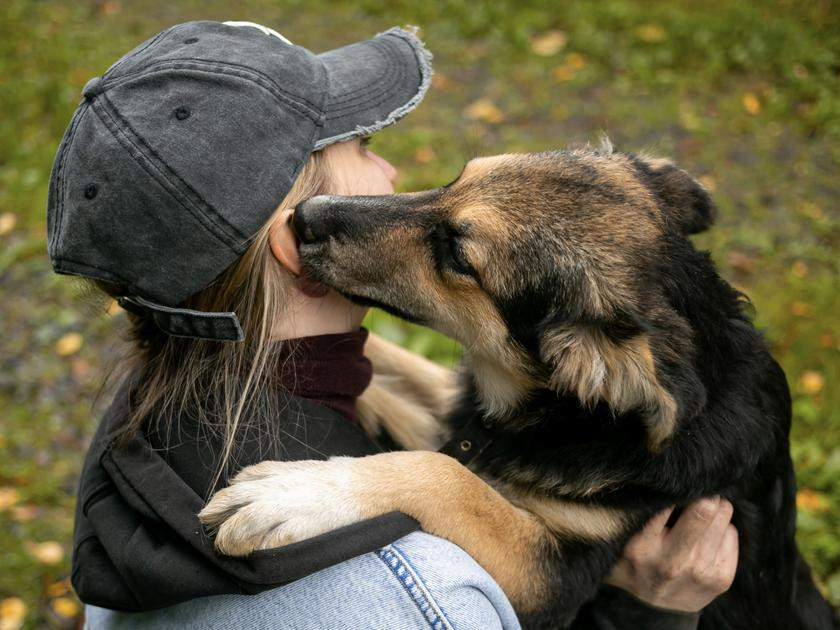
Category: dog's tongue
[311,287]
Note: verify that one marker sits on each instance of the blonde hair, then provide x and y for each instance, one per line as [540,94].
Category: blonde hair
[217,383]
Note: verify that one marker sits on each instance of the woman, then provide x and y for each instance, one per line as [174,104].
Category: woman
[165,193]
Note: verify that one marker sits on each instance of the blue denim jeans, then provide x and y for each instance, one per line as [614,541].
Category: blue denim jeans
[419,581]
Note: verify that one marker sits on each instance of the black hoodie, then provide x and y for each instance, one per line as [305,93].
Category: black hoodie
[138,544]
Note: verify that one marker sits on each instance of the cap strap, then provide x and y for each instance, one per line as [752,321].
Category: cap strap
[184,322]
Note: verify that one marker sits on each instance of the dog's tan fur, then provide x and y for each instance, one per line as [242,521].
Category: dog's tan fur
[594,368]
[572,520]
[508,530]
[408,396]
[446,498]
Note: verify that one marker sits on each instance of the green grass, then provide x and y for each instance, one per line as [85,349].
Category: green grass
[743,94]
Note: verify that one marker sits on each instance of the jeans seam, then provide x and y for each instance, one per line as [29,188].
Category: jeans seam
[414,586]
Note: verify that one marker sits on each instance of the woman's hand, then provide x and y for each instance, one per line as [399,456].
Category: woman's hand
[683,567]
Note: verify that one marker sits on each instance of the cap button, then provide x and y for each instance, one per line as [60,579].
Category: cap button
[92,88]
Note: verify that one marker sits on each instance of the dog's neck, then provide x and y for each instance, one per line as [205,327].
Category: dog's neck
[502,383]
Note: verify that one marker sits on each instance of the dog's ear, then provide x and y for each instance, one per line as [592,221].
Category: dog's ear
[594,364]
[685,201]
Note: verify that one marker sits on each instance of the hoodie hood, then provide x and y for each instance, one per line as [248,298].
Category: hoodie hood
[138,544]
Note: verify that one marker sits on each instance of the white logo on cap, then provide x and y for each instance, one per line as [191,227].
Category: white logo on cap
[264,29]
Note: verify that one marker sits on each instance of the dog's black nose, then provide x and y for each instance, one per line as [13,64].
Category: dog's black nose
[318,218]
[314,219]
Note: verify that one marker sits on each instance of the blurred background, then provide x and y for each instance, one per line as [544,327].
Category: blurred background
[745,95]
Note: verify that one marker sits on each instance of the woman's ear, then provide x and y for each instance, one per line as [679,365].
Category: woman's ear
[283,244]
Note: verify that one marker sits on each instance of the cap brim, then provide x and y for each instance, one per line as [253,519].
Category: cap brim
[372,84]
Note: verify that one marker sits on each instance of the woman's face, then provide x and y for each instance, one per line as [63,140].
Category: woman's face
[356,170]
[353,170]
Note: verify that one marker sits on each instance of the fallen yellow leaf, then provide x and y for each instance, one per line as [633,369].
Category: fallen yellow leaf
[751,103]
[25,513]
[549,43]
[742,262]
[68,344]
[827,340]
[114,308]
[807,499]
[110,7]
[575,61]
[57,589]
[811,382]
[65,607]
[800,309]
[49,552]
[424,155]
[563,73]
[651,33]
[8,497]
[484,109]
[799,269]
[12,613]
[7,222]
[80,369]
[440,81]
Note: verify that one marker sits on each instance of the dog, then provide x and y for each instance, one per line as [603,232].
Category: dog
[609,373]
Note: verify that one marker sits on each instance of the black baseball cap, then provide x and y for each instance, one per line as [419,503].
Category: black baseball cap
[183,149]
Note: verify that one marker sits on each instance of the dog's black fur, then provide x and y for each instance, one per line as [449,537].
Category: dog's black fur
[744,458]
[736,446]
[733,408]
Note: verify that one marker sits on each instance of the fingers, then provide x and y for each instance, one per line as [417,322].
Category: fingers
[705,543]
[727,559]
[693,524]
[652,533]
[685,567]
[646,544]
[712,538]
[659,522]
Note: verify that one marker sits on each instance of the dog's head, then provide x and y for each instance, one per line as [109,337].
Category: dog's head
[551,270]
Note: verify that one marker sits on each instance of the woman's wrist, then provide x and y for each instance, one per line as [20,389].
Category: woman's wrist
[616,609]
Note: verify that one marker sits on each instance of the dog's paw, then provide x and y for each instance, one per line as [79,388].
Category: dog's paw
[273,504]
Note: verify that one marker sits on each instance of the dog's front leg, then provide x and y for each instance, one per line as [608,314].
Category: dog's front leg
[408,397]
[277,503]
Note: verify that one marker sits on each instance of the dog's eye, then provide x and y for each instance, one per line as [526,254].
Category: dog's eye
[449,254]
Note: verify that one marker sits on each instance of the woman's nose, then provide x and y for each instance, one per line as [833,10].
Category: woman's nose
[387,168]
[390,171]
